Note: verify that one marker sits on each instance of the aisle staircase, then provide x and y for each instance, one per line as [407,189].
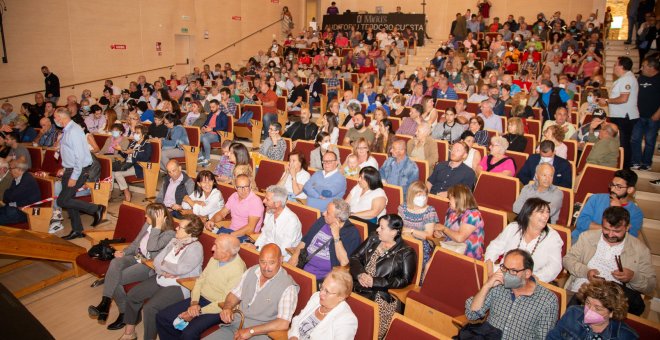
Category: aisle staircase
[613,50]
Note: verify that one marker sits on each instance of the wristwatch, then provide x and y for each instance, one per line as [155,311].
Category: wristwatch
[337,240]
[251,331]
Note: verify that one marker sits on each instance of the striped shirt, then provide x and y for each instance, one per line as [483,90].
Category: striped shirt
[287,304]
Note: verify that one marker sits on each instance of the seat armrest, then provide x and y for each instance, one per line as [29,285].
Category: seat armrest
[402,293]
[148,263]
[460,321]
[279,335]
[253,236]
[96,236]
[188,282]
[120,246]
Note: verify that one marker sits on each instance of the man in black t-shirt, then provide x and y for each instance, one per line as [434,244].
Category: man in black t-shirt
[52,83]
[453,172]
[298,95]
[648,103]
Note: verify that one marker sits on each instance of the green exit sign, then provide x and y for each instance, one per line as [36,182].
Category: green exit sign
[184,29]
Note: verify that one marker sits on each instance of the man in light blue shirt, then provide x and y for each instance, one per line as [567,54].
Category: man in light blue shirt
[399,169]
[78,167]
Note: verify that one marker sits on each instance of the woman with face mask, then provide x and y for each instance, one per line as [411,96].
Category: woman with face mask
[116,141]
[530,232]
[323,144]
[419,218]
[138,150]
[601,317]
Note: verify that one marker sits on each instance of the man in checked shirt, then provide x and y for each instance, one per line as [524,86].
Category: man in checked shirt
[519,307]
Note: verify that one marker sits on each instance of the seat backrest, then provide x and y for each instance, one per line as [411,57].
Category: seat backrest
[586,150]
[50,164]
[494,223]
[403,327]
[594,180]
[106,167]
[305,147]
[472,107]
[36,158]
[249,256]
[443,151]
[366,312]
[130,220]
[362,228]
[344,151]
[380,158]
[506,187]
[155,153]
[269,173]
[440,204]
[226,190]
[307,283]
[257,111]
[207,239]
[287,150]
[394,195]
[646,329]
[418,247]
[100,138]
[46,188]
[406,138]
[342,134]
[281,103]
[530,148]
[350,183]
[565,235]
[193,135]
[441,291]
[519,158]
[571,146]
[561,297]
[534,128]
[396,122]
[444,104]
[566,211]
[423,167]
[306,215]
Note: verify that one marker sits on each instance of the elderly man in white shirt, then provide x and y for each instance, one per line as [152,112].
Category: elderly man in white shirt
[281,225]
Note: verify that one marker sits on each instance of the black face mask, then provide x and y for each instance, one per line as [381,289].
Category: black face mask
[45,74]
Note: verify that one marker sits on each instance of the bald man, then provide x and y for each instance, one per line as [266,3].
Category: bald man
[176,186]
[605,151]
[49,133]
[201,310]
[277,293]
[542,188]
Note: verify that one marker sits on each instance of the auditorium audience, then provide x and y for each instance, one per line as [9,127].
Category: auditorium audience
[384,261]
[610,254]
[281,226]
[621,194]
[530,232]
[201,310]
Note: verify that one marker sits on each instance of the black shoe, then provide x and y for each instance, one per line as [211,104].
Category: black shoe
[98,215]
[627,42]
[118,324]
[100,311]
[74,235]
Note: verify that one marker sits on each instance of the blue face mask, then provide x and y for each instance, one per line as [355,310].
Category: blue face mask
[115,134]
[539,89]
[179,323]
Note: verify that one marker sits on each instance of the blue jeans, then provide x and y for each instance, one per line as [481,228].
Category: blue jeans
[648,130]
[224,230]
[267,119]
[207,139]
[11,215]
[195,328]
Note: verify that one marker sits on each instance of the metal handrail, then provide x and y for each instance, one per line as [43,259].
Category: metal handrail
[241,39]
[91,81]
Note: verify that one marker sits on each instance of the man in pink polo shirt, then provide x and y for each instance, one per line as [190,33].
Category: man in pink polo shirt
[246,208]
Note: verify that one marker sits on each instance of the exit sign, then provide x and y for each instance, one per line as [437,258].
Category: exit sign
[184,29]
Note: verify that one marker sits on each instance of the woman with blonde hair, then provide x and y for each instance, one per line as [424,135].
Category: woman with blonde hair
[419,218]
[497,161]
[463,222]
[362,152]
[327,315]
[515,135]
[555,134]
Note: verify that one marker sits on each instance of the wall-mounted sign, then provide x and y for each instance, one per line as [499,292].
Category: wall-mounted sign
[184,29]
[275,1]
[117,47]
[159,46]
[236,17]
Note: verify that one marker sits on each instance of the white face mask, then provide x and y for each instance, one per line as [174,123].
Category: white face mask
[420,201]
[562,86]
[556,50]
[590,99]
[115,134]
[432,74]
[511,48]
[546,160]
[325,145]
[137,137]
[477,75]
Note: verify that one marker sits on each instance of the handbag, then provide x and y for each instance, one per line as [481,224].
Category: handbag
[456,247]
[103,251]
[118,165]
[304,257]
[480,331]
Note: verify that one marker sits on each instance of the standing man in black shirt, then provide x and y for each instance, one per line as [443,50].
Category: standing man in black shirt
[52,83]
[648,103]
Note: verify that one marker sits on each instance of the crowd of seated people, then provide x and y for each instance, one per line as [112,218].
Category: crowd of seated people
[462,114]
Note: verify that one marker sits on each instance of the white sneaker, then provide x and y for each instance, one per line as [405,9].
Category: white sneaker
[55,226]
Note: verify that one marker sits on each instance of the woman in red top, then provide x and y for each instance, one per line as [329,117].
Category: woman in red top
[365,72]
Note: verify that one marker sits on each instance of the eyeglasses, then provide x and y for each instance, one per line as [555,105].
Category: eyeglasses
[617,186]
[326,291]
[596,308]
[362,147]
[242,187]
[504,269]
[329,161]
